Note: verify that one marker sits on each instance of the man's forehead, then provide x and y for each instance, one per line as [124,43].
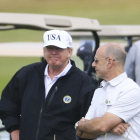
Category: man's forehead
[100,52]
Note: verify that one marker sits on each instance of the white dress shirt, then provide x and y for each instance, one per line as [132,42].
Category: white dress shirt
[121,97]
[49,82]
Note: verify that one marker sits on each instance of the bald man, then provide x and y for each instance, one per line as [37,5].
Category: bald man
[115,103]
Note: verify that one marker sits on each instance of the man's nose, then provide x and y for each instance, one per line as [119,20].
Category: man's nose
[93,64]
[54,51]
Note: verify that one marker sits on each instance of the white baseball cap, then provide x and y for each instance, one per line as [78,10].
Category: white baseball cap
[57,38]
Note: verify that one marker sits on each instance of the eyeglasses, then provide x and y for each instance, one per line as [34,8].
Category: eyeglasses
[51,48]
[96,60]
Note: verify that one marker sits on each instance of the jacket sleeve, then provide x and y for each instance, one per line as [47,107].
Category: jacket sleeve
[130,63]
[85,96]
[10,103]
[87,92]
[85,102]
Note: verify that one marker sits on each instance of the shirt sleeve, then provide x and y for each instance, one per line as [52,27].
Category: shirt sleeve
[91,111]
[127,105]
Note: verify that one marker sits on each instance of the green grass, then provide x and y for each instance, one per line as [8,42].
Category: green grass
[106,11]
[9,66]
[21,35]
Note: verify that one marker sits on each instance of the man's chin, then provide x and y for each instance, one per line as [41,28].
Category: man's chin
[54,62]
[98,76]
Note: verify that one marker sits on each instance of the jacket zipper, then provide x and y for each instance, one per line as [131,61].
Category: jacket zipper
[52,97]
[39,121]
[42,110]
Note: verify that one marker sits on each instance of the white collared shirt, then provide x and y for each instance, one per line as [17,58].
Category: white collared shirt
[49,82]
[121,97]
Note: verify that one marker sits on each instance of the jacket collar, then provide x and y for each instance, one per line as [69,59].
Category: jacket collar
[41,68]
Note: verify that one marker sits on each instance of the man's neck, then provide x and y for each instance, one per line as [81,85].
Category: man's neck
[113,74]
[52,72]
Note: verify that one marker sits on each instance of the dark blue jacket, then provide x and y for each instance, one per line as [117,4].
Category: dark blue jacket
[23,105]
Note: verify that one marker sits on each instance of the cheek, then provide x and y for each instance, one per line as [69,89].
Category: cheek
[65,55]
[100,67]
[46,55]
[69,53]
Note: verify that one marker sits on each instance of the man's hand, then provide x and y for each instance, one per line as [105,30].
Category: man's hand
[83,119]
[79,133]
[82,134]
[15,135]
[120,129]
[98,126]
[85,135]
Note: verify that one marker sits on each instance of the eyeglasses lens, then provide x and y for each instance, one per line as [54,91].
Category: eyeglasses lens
[95,60]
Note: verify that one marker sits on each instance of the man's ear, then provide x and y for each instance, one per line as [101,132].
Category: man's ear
[44,49]
[110,63]
[70,52]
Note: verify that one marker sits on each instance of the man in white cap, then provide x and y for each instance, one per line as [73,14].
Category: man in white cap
[45,99]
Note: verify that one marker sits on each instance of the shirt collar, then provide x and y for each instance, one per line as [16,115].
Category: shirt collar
[64,72]
[116,80]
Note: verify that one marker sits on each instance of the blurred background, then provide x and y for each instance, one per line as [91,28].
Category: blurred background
[107,12]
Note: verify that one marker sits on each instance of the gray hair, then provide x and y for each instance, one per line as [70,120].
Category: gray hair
[116,52]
